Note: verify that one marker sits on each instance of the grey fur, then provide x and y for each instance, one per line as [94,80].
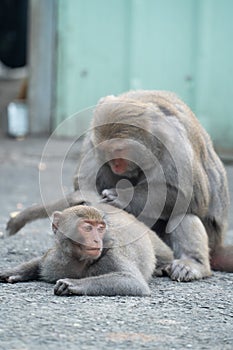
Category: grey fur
[182,175]
[127,263]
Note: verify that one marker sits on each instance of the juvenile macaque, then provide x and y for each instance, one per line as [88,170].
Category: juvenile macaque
[147,154]
[102,251]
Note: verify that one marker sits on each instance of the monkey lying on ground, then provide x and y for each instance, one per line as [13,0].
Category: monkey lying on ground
[147,154]
[102,251]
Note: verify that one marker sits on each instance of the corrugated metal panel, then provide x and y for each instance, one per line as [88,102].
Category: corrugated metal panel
[109,46]
[214,87]
[163,46]
[92,56]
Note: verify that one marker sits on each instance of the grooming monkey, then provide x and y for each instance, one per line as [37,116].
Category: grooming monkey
[103,251]
[147,154]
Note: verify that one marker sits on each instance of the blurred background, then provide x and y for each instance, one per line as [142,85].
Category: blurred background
[58,57]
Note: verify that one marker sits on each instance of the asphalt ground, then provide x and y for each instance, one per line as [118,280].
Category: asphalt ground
[197,315]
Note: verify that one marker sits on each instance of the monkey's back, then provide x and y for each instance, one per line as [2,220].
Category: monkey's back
[210,200]
[131,238]
[166,116]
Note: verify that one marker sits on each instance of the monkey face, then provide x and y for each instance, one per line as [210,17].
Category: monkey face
[80,232]
[86,241]
[90,237]
[119,166]
[124,156]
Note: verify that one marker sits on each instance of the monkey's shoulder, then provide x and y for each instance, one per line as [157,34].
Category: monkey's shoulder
[55,265]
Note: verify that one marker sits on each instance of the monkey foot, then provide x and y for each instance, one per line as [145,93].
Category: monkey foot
[14,225]
[186,270]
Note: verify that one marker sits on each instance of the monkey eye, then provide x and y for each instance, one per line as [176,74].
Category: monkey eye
[87,227]
[101,228]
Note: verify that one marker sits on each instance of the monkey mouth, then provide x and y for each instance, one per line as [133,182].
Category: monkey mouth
[93,251]
[93,248]
[119,165]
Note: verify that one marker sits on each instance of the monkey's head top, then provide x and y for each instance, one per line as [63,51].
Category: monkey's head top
[66,220]
[85,212]
[114,115]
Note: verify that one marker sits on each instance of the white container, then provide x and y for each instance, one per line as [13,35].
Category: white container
[15,119]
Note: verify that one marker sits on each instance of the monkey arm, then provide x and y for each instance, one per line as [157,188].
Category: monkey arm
[164,255]
[111,275]
[115,283]
[25,272]
[189,242]
[40,211]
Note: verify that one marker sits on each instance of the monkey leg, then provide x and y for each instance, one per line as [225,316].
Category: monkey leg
[221,258]
[189,242]
[40,211]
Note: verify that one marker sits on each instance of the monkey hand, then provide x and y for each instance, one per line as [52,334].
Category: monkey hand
[109,195]
[9,277]
[67,287]
[119,197]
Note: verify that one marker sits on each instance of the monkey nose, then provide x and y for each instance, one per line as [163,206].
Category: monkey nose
[94,244]
[117,162]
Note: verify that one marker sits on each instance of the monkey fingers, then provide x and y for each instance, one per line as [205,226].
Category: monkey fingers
[109,195]
[186,270]
[66,287]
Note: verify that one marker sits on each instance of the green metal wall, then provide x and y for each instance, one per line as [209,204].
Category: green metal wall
[110,46]
[93,47]
[214,70]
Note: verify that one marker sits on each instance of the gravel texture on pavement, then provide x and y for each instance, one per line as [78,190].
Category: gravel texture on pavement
[197,315]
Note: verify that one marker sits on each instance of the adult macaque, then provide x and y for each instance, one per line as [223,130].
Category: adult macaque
[147,154]
[102,251]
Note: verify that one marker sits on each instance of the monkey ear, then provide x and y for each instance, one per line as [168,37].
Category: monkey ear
[56,218]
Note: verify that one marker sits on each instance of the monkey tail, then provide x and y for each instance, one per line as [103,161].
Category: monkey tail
[221,259]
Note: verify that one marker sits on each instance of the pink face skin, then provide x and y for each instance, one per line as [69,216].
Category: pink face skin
[91,233]
[117,153]
[119,166]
